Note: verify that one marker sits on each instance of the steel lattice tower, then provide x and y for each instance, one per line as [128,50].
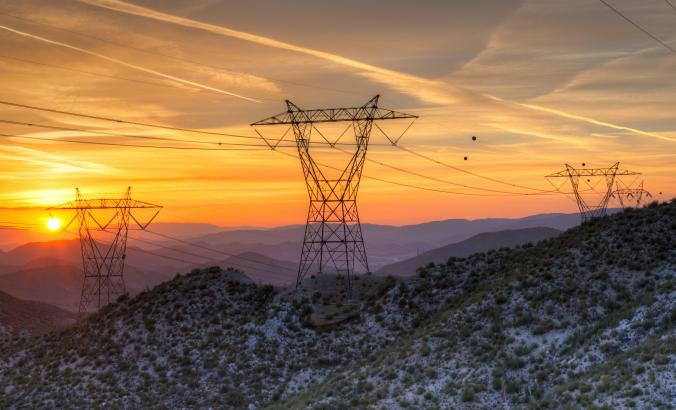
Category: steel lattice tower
[588,211]
[333,236]
[103,263]
[630,197]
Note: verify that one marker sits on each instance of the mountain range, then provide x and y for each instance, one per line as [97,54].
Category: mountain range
[21,318]
[584,319]
[50,272]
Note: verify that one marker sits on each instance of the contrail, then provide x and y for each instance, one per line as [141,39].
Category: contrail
[423,88]
[595,122]
[128,65]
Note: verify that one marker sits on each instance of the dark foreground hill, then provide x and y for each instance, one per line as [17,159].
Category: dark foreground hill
[482,242]
[582,320]
[25,318]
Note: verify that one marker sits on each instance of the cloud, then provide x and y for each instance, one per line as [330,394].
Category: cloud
[431,91]
[128,65]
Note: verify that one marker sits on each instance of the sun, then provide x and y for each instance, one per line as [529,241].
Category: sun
[54,224]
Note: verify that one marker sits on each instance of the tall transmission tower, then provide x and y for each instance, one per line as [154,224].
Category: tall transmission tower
[333,237]
[577,175]
[630,197]
[102,261]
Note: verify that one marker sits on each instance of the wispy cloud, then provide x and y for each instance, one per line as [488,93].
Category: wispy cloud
[126,64]
[432,91]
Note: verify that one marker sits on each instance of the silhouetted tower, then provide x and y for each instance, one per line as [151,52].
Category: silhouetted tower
[103,262]
[333,237]
[575,175]
[630,197]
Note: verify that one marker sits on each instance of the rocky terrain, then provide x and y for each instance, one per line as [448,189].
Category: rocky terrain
[581,320]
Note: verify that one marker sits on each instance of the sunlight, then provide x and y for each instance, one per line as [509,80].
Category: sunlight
[54,224]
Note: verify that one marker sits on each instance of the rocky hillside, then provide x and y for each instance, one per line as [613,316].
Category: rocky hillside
[582,320]
[20,318]
[482,242]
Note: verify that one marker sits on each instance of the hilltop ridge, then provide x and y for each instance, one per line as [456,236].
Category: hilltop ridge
[585,318]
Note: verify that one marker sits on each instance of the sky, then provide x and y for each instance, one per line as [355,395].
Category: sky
[539,83]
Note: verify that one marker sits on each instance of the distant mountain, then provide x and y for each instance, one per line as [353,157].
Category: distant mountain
[58,282]
[384,244]
[482,242]
[152,259]
[7,269]
[25,318]
[581,320]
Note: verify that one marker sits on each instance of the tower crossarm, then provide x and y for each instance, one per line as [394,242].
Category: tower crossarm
[104,203]
[591,172]
[363,113]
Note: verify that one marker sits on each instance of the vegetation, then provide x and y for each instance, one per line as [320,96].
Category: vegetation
[586,319]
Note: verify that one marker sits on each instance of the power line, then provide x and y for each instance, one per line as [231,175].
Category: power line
[158,126]
[54,127]
[141,124]
[633,23]
[209,259]
[113,144]
[402,184]
[217,250]
[670,4]
[470,172]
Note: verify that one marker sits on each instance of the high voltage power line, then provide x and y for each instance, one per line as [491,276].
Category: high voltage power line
[144,124]
[158,126]
[146,137]
[218,251]
[670,4]
[115,144]
[542,191]
[638,26]
[265,266]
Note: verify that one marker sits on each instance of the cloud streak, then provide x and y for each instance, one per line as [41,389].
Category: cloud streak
[432,91]
[128,65]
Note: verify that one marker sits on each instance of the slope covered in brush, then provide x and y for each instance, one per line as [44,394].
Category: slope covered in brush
[585,318]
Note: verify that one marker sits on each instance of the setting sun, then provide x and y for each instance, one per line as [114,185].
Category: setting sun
[54,224]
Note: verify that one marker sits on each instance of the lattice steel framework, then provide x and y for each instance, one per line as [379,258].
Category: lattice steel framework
[589,211]
[103,263]
[333,236]
[630,197]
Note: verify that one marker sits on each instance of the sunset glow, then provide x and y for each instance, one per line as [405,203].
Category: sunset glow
[533,95]
[54,224]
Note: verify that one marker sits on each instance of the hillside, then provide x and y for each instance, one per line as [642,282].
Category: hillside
[24,318]
[482,242]
[585,318]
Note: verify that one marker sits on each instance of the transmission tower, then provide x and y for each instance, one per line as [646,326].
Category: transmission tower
[608,175]
[630,197]
[333,236]
[102,261]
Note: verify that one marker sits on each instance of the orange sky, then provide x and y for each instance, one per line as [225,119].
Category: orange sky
[540,83]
